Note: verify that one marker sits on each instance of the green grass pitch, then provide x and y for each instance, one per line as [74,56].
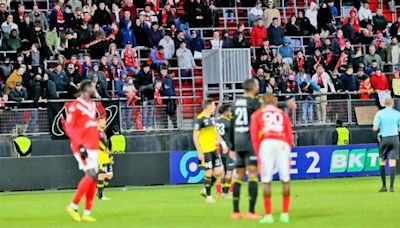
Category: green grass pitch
[341,202]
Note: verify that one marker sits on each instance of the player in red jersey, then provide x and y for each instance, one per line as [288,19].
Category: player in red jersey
[81,128]
[272,137]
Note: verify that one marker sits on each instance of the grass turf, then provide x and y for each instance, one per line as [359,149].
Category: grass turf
[342,202]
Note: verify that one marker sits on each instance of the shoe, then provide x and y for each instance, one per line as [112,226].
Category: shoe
[203,193]
[104,198]
[284,218]
[391,189]
[252,216]
[267,219]
[88,218]
[74,214]
[210,199]
[226,196]
[236,215]
[383,189]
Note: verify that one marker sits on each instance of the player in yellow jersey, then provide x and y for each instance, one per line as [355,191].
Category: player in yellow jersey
[205,139]
[105,161]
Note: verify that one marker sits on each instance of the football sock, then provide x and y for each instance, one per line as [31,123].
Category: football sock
[73,206]
[86,212]
[236,195]
[207,185]
[83,186]
[100,187]
[225,188]
[106,182]
[383,175]
[213,179]
[285,204]
[253,192]
[90,195]
[392,176]
[267,206]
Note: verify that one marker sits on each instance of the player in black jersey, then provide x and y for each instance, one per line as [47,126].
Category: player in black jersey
[246,159]
[224,129]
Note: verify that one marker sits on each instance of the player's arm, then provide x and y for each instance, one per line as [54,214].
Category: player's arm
[70,125]
[255,131]
[376,124]
[289,130]
[196,141]
[221,142]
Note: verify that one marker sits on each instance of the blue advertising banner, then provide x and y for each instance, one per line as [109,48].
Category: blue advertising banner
[306,162]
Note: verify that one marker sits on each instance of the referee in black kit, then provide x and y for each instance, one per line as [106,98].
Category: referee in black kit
[387,122]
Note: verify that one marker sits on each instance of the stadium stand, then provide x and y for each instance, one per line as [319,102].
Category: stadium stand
[49,46]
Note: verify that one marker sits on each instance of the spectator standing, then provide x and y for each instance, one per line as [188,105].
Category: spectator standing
[149,16]
[286,51]
[129,58]
[258,33]
[3,13]
[353,20]
[255,13]
[365,15]
[75,4]
[169,46]
[315,43]
[127,34]
[311,14]
[307,103]
[323,80]
[270,13]
[262,81]
[140,34]
[59,77]
[299,62]
[101,16]
[333,9]
[393,52]
[6,68]
[57,19]
[348,30]
[349,80]
[379,21]
[146,88]
[155,35]
[381,85]
[74,80]
[395,85]
[196,44]
[168,16]
[167,93]
[306,27]
[241,42]
[13,41]
[185,60]
[395,28]
[325,18]
[52,41]
[292,28]
[275,32]
[90,7]
[49,87]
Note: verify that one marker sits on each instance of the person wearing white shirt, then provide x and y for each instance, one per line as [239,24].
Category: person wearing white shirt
[169,46]
[365,15]
[323,80]
[8,26]
[311,14]
[216,42]
[255,13]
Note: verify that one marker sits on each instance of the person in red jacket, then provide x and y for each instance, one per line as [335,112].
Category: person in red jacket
[379,81]
[258,33]
[356,21]
[272,137]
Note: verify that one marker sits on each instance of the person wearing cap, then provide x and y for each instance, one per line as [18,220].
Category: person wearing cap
[270,13]
[196,44]
[15,77]
[169,45]
[255,13]
[18,93]
[386,124]
[365,14]
[372,55]
[286,51]
[341,135]
[379,38]
[275,32]
[258,33]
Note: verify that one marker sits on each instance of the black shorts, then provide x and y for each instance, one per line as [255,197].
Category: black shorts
[245,158]
[228,163]
[212,160]
[106,168]
[389,147]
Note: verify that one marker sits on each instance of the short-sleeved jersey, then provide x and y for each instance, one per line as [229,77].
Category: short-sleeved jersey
[270,122]
[81,124]
[224,129]
[243,108]
[388,121]
[208,134]
[104,157]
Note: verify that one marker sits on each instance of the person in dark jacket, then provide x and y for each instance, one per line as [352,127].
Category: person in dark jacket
[196,43]
[292,28]
[348,31]
[140,34]
[227,41]
[49,88]
[101,15]
[395,28]
[349,80]
[74,79]
[275,32]
[379,21]
[324,18]
[144,81]
[59,77]
[262,81]
[155,35]
[18,94]
[127,34]
[168,91]
[306,28]
[241,41]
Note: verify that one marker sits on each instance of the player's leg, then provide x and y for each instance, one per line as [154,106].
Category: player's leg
[91,171]
[228,176]
[252,170]
[217,171]
[267,156]
[382,163]
[283,163]
[237,184]
[101,176]
[208,175]
[394,155]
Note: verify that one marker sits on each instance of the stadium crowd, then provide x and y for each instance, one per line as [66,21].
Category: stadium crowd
[100,40]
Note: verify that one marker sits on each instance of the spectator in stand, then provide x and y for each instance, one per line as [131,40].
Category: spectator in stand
[395,85]
[196,44]
[241,42]
[381,85]
[272,86]
[26,28]
[315,43]
[286,51]
[353,20]
[270,13]
[87,65]
[71,44]
[275,33]
[307,105]
[168,16]
[157,58]
[306,28]
[338,84]
[240,29]
[395,28]
[8,26]
[113,52]
[149,16]
[258,33]
[379,21]
[265,50]
[6,69]
[119,84]
[106,68]
[19,14]
[3,13]
[292,28]
[185,60]
[117,68]
[146,88]
[216,42]
[299,62]
[329,60]
[39,17]
[129,6]
[332,7]
[52,42]
[74,80]
[227,41]
[302,76]
[96,72]
[379,38]
[180,37]
[90,7]
[367,35]
[290,85]
[130,92]
[343,61]
[368,58]
[311,14]
[393,52]
[60,78]
[75,4]
[325,19]
[168,92]
[169,45]
[126,17]
[57,19]
[349,80]
[13,41]
[116,13]
[18,93]
[70,19]
[365,88]
[255,13]
[129,58]
[365,15]
[102,15]
[127,34]
[348,30]
[155,34]
[262,80]
[382,52]
[323,80]
[140,34]
[15,77]
[101,90]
